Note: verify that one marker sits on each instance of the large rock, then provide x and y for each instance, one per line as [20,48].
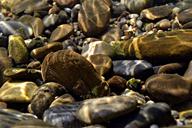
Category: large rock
[17,92]
[172,46]
[71,70]
[94,16]
[170,88]
[101,110]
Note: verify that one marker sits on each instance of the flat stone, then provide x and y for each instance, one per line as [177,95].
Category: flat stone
[169,88]
[93,17]
[63,116]
[61,32]
[157,12]
[136,6]
[101,110]
[163,47]
[40,52]
[17,92]
[17,49]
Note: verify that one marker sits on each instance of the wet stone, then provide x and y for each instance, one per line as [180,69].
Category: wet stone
[20,92]
[163,24]
[112,34]
[136,6]
[29,6]
[95,126]
[98,47]
[61,32]
[157,113]
[63,116]
[101,63]
[104,109]
[172,68]
[17,49]
[157,12]
[22,73]
[34,65]
[93,17]
[132,68]
[37,26]
[44,96]
[148,47]
[117,84]
[62,100]
[32,123]
[66,3]
[9,117]
[40,52]
[170,88]
[188,25]
[50,20]
[14,27]
[71,70]
[185,16]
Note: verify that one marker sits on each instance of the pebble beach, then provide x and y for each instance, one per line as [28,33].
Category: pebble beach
[95,63]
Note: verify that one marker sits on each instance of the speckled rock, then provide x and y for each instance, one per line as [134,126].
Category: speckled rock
[40,52]
[61,32]
[170,88]
[93,17]
[17,49]
[44,96]
[136,6]
[104,109]
[132,68]
[71,70]
[20,92]
[157,12]
[101,63]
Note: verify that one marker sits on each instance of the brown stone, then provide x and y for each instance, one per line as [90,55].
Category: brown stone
[93,17]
